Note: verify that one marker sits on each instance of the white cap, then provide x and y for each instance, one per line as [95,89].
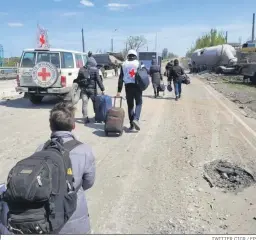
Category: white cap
[132,52]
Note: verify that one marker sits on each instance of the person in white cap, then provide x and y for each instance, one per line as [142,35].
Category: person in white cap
[133,92]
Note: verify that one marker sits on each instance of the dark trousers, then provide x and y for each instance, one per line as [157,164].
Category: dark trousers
[177,88]
[156,89]
[133,95]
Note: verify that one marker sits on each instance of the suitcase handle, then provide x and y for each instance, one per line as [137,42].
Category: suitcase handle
[121,100]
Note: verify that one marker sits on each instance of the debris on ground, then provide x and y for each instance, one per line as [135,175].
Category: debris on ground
[223,174]
[235,88]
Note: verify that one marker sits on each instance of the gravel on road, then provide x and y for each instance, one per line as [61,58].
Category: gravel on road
[152,181]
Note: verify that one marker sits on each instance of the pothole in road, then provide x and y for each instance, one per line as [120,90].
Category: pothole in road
[228,176]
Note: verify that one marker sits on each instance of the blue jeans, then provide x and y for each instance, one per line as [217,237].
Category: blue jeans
[177,88]
[133,94]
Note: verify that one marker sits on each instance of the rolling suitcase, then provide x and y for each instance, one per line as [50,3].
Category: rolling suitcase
[115,119]
[102,104]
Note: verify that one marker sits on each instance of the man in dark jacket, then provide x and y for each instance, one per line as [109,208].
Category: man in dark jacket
[62,122]
[175,74]
[88,85]
[168,66]
[156,76]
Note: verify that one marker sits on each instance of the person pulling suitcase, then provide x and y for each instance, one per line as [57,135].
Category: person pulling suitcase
[132,89]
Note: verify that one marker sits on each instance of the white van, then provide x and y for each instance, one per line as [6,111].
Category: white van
[48,72]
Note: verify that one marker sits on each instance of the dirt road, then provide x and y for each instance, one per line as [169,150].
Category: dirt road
[153,181]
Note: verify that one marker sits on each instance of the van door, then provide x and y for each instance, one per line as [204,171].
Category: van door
[28,61]
[68,69]
[78,62]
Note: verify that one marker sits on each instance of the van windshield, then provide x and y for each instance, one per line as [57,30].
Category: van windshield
[29,58]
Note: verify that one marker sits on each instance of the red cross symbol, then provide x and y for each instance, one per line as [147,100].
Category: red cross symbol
[42,40]
[132,73]
[44,74]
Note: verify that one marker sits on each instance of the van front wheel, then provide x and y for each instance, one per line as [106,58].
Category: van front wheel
[35,99]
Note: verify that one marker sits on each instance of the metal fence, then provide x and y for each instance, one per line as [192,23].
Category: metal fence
[7,73]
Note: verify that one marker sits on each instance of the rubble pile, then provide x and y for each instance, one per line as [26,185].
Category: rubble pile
[235,88]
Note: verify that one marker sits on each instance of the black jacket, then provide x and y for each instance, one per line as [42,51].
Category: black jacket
[175,73]
[95,78]
[155,73]
[168,66]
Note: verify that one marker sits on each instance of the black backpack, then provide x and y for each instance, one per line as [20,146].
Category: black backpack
[40,192]
[84,78]
[142,78]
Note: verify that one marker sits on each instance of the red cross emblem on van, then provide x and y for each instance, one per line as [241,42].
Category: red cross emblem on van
[44,74]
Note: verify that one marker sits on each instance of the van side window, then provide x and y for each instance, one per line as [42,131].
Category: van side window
[85,59]
[79,60]
[67,60]
[28,60]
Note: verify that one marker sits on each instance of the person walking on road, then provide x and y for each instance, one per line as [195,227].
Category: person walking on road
[175,74]
[156,77]
[62,122]
[133,92]
[168,67]
[53,188]
[88,78]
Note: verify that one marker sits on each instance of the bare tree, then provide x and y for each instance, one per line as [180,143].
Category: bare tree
[135,42]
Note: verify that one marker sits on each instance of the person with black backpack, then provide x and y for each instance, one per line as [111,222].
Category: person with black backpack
[45,192]
[127,77]
[175,74]
[88,78]
[168,67]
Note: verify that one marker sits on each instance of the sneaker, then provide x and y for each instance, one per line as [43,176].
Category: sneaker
[176,99]
[180,96]
[136,125]
[131,127]
[86,120]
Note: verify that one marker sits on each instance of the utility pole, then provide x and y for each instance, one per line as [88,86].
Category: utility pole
[226,37]
[253,26]
[83,39]
[112,45]
[112,40]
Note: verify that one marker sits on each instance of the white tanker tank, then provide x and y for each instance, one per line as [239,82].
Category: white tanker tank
[221,55]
